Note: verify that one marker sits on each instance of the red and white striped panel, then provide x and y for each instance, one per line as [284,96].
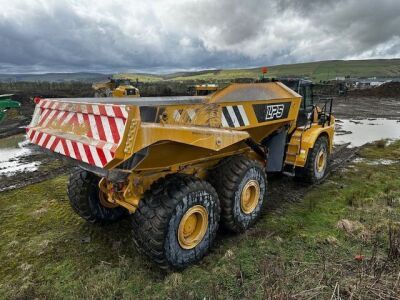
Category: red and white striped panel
[102,128]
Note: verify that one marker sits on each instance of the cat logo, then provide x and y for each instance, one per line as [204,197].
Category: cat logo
[274,112]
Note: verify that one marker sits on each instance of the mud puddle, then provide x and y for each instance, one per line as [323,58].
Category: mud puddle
[22,163]
[361,132]
[375,162]
[16,157]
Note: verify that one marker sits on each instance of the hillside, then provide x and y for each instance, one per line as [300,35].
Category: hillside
[322,70]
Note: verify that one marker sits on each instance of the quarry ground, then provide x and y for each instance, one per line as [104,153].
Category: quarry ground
[361,107]
[337,239]
[311,242]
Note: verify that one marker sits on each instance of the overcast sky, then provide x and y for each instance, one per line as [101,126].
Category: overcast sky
[170,35]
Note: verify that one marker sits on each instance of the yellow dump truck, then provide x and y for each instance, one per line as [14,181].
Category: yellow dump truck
[205,89]
[116,88]
[179,166]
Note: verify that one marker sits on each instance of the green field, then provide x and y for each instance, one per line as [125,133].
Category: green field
[139,76]
[294,251]
[324,70]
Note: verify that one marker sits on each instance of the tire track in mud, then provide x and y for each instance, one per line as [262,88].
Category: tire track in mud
[284,189]
[24,179]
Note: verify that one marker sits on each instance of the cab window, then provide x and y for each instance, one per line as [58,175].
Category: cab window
[307,100]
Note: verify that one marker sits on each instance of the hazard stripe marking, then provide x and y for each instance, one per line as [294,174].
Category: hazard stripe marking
[41,141]
[227,117]
[191,113]
[224,122]
[104,126]
[244,115]
[176,115]
[234,116]
[70,149]
[238,116]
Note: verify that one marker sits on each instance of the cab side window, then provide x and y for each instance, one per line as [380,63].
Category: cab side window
[307,100]
[308,97]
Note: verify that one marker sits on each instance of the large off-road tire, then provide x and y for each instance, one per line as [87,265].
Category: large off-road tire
[161,226]
[317,162]
[241,185]
[84,197]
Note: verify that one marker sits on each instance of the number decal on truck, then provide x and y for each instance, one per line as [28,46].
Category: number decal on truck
[270,112]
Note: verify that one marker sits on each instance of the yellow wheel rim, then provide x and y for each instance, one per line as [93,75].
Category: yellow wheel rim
[104,202]
[250,196]
[321,160]
[193,227]
[103,195]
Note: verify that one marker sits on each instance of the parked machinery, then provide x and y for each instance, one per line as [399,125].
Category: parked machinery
[122,87]
[182,165]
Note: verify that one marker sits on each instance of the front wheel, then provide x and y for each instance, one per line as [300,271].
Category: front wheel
[317,162]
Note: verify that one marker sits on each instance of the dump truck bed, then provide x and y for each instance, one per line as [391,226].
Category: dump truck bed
[104,132]
[144,101]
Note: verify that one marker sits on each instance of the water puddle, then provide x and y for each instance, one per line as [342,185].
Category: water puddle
[375,162]
[16,156]
[360,132]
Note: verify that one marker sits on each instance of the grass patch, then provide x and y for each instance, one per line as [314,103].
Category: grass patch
[12,141]
[295,251]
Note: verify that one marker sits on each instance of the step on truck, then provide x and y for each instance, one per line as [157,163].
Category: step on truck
[181,166]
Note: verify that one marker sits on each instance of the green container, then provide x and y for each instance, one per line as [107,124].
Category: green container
[5,104]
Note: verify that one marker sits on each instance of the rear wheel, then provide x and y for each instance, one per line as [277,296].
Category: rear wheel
[176,221]
[317,162]
[241,184]
[88,201]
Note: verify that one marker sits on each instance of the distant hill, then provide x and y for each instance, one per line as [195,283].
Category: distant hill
[142,77]
[322,70]
[54,77]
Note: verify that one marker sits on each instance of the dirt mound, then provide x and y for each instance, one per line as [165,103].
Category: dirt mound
[386,90]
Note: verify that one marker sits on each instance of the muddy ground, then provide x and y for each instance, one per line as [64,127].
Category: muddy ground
[363,107]
[32,166]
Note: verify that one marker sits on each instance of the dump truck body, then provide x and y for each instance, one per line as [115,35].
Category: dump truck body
[133,150]
[104,132]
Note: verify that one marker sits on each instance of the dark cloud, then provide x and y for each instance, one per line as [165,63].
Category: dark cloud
[165,35]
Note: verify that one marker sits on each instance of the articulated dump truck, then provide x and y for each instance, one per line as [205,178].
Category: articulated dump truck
[181,165]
